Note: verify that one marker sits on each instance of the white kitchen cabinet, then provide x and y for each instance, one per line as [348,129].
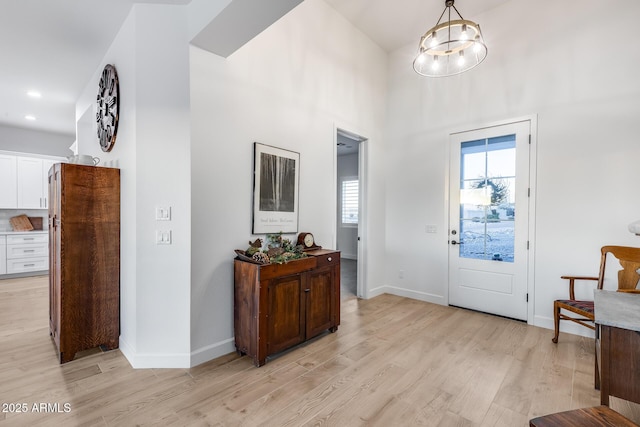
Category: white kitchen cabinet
[30,191]
[23,180]
[26,252]
[3,255]
[46,165]
[32,175]
[8,182]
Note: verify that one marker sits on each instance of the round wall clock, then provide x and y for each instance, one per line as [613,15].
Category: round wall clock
[108,100]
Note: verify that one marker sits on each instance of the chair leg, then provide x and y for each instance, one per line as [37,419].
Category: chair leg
[556,321]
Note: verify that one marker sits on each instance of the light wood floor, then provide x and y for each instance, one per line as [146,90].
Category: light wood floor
[393,362]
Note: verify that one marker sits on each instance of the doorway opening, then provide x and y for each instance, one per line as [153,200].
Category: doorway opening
[350,212]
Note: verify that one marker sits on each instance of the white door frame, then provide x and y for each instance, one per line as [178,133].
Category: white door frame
[362,291]
[533,118]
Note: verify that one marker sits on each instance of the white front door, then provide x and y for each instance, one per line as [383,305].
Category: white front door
[488,219]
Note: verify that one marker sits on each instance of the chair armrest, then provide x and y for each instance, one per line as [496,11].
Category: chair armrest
[572,280]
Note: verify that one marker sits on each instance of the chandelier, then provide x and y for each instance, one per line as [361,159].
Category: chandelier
[451,47]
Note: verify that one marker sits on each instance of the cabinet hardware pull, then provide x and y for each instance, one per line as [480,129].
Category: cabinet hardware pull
[329,259]
[307,290]
[29,265]
[27,238]
[29,250]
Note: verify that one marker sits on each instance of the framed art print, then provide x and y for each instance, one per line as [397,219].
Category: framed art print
[276,175]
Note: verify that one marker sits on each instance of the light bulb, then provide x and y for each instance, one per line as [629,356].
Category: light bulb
[420,58]
[463,34]
[436,64]
[434,39]
[477,47]
[461,58]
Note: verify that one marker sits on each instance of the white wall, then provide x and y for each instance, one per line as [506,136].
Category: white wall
[288,87]
[188,125]
[347,236]
[152,151]
[34,141]
[569,63]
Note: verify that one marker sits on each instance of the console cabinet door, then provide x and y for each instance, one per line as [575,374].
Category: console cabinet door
[285,320]
[320,301]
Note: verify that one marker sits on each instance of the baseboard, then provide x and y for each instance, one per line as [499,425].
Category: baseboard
[420,296]
[126,350]
[372,293]
[212,351]
[154,360]
[565,327]
[349,256]
[25,274]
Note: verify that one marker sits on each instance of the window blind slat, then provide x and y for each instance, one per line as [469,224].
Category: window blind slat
[350,201]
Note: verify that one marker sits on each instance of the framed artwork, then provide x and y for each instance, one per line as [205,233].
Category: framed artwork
[276,175]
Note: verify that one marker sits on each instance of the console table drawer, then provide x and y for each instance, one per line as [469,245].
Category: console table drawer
[328,259]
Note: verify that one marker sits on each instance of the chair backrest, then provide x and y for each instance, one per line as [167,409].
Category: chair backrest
[629,259]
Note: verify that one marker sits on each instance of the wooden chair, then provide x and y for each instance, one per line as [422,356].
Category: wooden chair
[628,278]
[585,417]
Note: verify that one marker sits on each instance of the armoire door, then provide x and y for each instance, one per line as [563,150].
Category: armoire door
[54,254]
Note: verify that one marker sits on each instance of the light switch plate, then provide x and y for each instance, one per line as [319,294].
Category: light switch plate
[163,237]
[163,213]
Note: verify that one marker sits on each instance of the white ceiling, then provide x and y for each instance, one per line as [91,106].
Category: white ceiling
[55,46]
[395,23]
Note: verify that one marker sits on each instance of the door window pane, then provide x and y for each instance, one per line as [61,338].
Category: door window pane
[487,199]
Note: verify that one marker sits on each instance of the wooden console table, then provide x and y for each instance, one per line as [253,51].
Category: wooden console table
[278,306]
[617,318]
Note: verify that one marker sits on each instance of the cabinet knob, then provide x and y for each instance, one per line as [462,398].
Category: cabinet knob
[329,259]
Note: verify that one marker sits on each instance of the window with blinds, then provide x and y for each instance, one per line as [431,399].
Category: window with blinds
[349,205]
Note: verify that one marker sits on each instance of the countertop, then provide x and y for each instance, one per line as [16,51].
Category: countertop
[10,232]
[617,309]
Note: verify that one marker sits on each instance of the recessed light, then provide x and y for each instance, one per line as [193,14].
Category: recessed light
[30,117]
[34,94]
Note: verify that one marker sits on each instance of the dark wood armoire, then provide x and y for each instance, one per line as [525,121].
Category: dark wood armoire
[84,258]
